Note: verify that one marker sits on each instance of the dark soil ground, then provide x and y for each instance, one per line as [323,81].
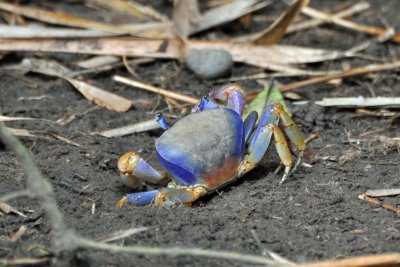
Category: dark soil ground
[315,215]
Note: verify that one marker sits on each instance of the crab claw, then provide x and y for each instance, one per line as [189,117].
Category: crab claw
[138,199]
[232,95]
[135,170]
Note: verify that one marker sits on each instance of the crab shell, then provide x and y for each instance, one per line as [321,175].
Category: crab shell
[204,148]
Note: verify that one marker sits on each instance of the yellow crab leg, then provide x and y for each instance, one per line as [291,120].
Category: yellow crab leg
[292,132]
[173,196]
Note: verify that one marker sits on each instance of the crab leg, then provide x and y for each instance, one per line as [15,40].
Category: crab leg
[268,126]
[135,170]
[164,197]
[292,132]
[249,124]
[172,196]
[138,199]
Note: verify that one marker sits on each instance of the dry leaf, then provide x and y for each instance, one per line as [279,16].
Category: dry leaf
[7,209]
[11,31]
[257,55]
[130,129]
[383,192]
[100,97]
[274,33]
[132,8]
[185,13]
[226,13]
[98,61]
[21,132]
[91,92]
[65,19]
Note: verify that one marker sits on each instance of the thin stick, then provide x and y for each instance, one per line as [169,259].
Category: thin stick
[271,254]
[375,31]
[16,194]
[175,252]
[377,202]
[23,261]
[356,102]
[382,260]
[358,7]
[157,90]
[131,128]
[348,73]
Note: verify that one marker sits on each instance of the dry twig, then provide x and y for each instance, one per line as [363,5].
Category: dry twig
[356,102]
[139,127]
[382,260]
[157,90]
[377,202]
[375,31]
[312,23]
[349,73]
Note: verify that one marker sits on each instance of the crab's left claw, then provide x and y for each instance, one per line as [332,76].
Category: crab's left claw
[231,95]
[138,199]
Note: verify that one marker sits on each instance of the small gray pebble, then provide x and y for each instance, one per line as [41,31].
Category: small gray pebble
[209,63]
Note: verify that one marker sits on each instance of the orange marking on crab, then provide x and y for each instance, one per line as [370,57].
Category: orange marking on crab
[222,174]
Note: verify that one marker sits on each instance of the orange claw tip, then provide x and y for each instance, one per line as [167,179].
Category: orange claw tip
[121,203]
[125,162]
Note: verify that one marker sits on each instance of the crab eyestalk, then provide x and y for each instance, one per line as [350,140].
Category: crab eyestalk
[161,120]
[204,104]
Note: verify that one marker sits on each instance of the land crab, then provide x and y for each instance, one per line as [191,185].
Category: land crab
[209,148]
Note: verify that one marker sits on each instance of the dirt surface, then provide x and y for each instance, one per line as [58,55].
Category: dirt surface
[315,215]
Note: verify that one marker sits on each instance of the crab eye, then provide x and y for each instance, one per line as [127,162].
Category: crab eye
[159,116]
[161,120]
[203,102]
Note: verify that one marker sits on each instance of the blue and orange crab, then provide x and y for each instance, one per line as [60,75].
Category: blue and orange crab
[209,148]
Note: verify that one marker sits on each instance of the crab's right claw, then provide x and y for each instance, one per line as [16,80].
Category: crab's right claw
[135,170]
